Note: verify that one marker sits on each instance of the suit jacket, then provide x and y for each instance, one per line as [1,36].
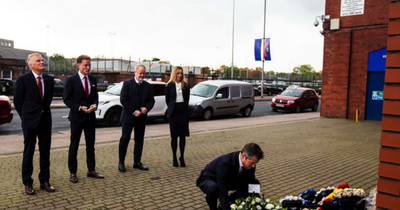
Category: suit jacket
[75,96]
[224,171]
[27,100]
[129,99]
[170,96]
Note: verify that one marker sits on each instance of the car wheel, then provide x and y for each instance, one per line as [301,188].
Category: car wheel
[246,112]
[113,117]
[315,107]
[298,108]
[275,110]
[207,114]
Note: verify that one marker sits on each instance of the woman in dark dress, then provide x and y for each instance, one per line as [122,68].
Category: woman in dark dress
[177,98]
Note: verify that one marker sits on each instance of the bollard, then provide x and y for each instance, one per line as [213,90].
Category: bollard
[357,115]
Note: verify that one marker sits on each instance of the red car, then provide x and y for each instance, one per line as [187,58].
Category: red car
[6,114]
[295,100]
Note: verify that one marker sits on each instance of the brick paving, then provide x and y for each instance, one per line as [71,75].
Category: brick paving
[299,155]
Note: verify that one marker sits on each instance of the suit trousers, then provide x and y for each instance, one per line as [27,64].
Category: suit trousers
[210,188]
[43,133]
[138,138]
[89,128]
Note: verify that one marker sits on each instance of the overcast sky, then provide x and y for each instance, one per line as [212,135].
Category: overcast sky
[184,32]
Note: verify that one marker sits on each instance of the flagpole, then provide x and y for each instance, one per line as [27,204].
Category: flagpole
[233,36]
[263,45]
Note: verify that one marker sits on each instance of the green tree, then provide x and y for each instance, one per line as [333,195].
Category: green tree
[306,69]
[155,59]
[59,63]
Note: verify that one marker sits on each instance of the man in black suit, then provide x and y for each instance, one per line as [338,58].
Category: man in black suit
[32,98]
[233,171]
[137,99]
[80,95]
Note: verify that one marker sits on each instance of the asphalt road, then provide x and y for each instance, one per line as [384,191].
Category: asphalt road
[60,121]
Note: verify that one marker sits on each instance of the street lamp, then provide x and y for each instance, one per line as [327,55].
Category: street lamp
[233,36]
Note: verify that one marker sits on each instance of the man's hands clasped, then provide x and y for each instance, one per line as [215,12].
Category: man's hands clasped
[92,108]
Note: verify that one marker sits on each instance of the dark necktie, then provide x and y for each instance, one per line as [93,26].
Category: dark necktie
[139,83]
[86,87]
[40,87]
[240,172]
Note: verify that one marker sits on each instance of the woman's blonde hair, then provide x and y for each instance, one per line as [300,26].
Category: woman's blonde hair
[174,74]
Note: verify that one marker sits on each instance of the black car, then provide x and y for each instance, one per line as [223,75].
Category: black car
[270,90]
[58,88]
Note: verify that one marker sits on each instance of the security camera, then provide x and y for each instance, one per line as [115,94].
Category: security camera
[316,23]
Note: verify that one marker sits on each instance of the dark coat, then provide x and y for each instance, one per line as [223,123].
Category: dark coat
[130,99]
[224,171]
[74,97]
[170,96]
[27,100]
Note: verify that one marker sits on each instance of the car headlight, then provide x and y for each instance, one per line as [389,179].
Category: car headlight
[273,99]
[197,103]
[104,102]
[290,102]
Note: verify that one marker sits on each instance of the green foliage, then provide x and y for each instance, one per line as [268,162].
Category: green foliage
[303,69]
[58,63]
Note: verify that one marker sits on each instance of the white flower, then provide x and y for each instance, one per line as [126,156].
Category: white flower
[240,207]
[267,200]
[269,206]
[248,199]
[233,206]
[243,203]
[258,200]
[258,207]
[253,202]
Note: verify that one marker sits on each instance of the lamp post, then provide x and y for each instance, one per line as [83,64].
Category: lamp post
[48,55]
[263,43]
[233,36]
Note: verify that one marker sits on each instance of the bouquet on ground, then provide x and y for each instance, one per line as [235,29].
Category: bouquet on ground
[254,203]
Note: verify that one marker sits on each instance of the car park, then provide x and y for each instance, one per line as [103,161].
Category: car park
[110,107]
[221,97]
[295,100]
[6,114]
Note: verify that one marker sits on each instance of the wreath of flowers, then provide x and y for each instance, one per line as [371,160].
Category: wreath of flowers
[254,203]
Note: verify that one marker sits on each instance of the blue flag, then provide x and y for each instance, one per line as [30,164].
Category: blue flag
[257,49]
[267,50]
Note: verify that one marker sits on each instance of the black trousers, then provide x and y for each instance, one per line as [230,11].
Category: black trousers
[210,188]
[89,128]
[43,133]
[126,137]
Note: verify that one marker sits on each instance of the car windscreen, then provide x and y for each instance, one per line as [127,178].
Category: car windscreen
[115,90]
[294,93]
[203,90]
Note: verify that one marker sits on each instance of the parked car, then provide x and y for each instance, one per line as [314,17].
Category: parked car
[110,107]
[58,88]
[221,97]
[6,114]
[270,90]
[295,100]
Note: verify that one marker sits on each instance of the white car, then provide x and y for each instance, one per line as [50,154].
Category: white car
[109,110]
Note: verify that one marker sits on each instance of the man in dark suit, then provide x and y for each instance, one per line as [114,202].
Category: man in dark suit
[80,95]
[137,99]
[32,98]
[233,171]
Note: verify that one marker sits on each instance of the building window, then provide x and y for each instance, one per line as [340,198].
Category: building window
[6,74]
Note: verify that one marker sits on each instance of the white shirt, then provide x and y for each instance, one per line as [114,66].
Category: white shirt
[240,163]
[41,80]
[179,96]
[83,81]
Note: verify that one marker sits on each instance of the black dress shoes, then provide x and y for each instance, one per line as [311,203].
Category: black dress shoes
[73,178]
[47,186]
[140,166]
[29,190]
[175,162]
[183,164]
[121,167]
[94,174]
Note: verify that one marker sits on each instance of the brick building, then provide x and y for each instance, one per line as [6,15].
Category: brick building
[350,40]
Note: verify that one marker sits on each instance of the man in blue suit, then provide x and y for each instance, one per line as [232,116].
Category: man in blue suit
[80,95]
[137,99]
[233,171]
[33,94]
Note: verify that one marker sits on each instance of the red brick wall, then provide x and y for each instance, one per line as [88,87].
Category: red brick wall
[389,167]
[345,66]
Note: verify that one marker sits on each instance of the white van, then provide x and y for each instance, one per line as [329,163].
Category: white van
[221,97]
